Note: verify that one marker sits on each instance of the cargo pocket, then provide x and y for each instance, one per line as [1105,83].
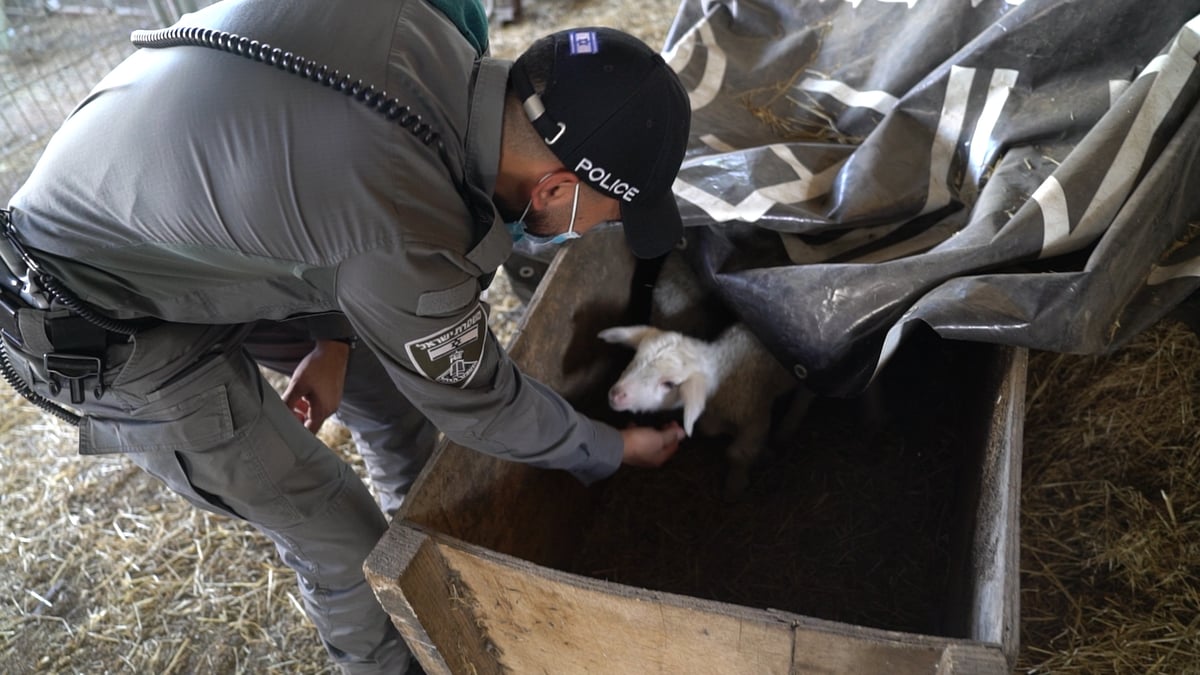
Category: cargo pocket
[192,423]
[156,436]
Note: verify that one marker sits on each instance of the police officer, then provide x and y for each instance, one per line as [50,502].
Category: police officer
[218,204]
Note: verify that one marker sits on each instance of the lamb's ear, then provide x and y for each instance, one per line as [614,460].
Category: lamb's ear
[630,336]
[694,394]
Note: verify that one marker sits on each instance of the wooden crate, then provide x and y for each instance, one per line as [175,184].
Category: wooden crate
[495,567]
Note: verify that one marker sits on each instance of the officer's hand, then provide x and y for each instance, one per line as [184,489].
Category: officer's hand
[650,447]
[315,391]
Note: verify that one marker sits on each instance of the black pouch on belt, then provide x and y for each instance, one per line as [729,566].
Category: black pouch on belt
[72,347]
[9,304]
[78,356]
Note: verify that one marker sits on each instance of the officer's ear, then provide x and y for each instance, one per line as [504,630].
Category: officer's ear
[558,188]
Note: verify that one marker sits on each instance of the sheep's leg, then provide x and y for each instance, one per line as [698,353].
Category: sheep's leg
[742,452]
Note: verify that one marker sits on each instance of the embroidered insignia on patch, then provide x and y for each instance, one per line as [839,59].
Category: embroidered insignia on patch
[584,42]
[452,355]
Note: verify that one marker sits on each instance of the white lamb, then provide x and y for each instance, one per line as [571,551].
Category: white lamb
[729,385]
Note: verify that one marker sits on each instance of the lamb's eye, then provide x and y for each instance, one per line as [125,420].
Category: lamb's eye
[669,384]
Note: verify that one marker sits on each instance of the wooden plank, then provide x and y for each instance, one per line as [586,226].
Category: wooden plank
[482,612]
[819,653]
[428,605]
[586,289]
[484,500]
[542,621]
[995,606]
[981,599]
[969,659]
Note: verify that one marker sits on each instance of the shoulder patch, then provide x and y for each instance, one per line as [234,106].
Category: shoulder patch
[452,355]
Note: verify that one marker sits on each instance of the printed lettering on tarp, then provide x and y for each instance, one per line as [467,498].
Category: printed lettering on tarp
[1013,172]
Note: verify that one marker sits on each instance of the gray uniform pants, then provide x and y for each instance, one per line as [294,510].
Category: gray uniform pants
[188,404]
[394,439]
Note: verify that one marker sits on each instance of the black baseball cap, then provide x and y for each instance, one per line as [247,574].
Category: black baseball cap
[615,114]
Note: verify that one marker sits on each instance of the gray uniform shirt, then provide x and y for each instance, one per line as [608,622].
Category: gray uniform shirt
[202,187]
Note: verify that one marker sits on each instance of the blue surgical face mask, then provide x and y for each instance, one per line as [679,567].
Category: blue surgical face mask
[517,231]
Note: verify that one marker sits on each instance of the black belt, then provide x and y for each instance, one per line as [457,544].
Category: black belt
[76,358]
[70,342]
[67,333]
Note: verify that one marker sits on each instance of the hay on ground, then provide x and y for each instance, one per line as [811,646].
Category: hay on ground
[1110,512]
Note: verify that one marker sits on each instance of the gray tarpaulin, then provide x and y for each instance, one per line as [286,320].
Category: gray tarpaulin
[1021,173]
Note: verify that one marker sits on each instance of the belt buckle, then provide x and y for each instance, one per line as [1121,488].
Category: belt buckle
[75,369]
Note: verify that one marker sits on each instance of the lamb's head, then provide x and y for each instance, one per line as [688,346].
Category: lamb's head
[669,371]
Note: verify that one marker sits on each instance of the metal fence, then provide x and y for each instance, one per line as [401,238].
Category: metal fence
[51,55]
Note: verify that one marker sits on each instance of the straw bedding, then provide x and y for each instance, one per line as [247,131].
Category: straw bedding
[1110,509]
[102,570]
